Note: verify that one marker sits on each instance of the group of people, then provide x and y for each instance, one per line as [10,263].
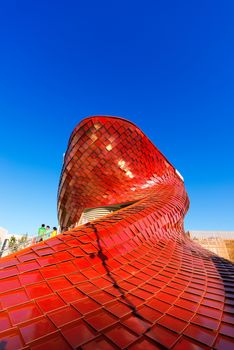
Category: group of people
[45,232]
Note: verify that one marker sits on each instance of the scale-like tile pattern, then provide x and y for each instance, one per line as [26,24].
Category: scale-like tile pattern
[131,280]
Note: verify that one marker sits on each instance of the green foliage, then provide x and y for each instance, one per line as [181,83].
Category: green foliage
[17,244]
[13,245]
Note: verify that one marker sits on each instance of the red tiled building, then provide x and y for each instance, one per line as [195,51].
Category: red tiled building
[128,280]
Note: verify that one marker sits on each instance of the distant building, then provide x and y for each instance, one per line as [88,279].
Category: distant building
[219,242]
[5,238]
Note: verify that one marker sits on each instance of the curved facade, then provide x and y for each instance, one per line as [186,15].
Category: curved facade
[129,280]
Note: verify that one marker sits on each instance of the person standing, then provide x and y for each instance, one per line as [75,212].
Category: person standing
[54,232]
[48,232]
[41,232]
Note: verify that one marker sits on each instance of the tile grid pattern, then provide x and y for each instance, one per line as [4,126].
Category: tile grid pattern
[131,280]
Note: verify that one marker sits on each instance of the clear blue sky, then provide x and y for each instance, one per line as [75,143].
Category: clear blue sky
[168,66]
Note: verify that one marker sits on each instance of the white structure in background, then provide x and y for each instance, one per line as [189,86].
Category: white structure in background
[5,238]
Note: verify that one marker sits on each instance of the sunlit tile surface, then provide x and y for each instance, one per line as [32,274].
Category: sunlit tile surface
[130,280]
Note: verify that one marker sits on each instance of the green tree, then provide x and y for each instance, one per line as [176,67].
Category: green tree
[13,244]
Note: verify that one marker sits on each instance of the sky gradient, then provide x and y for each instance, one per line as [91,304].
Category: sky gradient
[165,65]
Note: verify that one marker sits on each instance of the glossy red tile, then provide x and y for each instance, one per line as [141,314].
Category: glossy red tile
[9,283]
[30,277]
[4,321]
[13,298]
[101,320]
[28,266]
[187,344]
[71,294]
[78,334]
[204,336]
[136,324]
[64,315]
[144,344]
[206,322]
[86,305]
[172,323]
[11,340]
[36,329]
[38,290]
[58,283]
[50,302]
[51,271]
[163,336]
[223,343]
[55,342]
[121,336]
[24,312]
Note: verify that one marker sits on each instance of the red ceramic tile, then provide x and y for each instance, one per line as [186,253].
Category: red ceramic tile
[24,313]
[170,299]
[227,329]
[101,320]
[81,263]
[121,336]
[55,342]
[102,297]
[38,290]
[11,340]
[62,256]
[86,305]
[46,260]
[67,267]
[144,344]
[118,309]
[87,287]
[172,323]
[136,324]
[9,271]
[99,344]
[58,283]
[149,314]
[162,336]
[44,251]
[50,271]
[59,247]
[36,329]
[77,252]
[16,297]
[186,304]
[64,315]
[75,278]
[30,277]
[186,344]
[4,321]
[229,318]
[204,336]
[8,262]
[158,305]
[206,322]
[9,283]
[143,294]
[71,294]
[50,303]
[210,312]
[181,313]
[78,334]
[223,343]
[28,266]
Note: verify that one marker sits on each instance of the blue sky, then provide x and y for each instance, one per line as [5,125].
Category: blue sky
[165,65]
